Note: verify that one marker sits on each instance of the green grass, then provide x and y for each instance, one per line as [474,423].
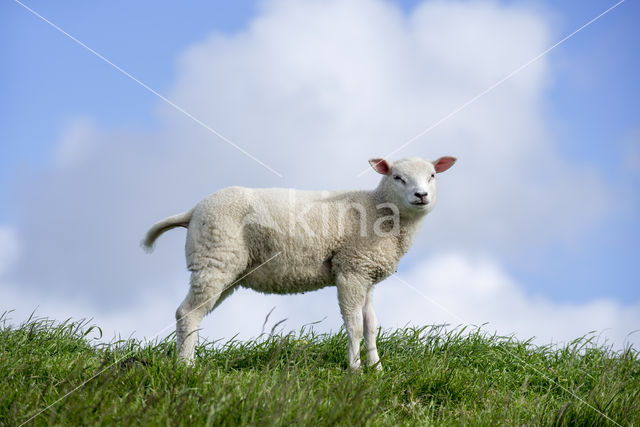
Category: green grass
[431,376]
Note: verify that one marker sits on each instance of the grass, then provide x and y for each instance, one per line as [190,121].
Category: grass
[431,376]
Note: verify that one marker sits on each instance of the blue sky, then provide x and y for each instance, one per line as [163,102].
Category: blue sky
[43,65]
[589,102]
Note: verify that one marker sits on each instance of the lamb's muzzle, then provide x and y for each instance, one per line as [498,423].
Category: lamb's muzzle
[348,239]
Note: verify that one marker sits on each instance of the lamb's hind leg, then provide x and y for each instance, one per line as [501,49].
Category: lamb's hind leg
[208,288]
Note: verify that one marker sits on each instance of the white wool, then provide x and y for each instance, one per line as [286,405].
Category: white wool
[289,241]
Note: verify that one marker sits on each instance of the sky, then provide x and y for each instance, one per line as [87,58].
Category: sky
[537,228]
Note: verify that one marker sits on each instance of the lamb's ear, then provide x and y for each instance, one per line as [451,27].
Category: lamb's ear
[444,163]
[381,166]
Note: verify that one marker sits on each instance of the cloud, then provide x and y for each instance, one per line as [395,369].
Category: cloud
[313,89]
[9,249]
[152,318]
[75,143]
[454,288]
[457,288]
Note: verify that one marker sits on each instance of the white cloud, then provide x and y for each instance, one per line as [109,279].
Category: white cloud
[243,315]
[75,143]
[473,290]
[454,288]
[314,89]
[152,316]
[9,249]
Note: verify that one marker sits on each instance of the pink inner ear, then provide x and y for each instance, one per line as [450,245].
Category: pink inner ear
[444,163]
[380,165]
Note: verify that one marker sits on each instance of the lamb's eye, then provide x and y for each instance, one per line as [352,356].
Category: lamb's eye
[399,178]
[433,175]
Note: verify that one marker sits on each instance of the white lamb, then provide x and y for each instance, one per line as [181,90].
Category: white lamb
[289,241]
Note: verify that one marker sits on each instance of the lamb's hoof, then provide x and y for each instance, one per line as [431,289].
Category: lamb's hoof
[376,366]
[187,361]
[355,368]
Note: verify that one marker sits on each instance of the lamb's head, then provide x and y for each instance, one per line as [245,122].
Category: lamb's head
[410,183]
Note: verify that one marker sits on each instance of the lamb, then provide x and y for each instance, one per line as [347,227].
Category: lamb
[290,241]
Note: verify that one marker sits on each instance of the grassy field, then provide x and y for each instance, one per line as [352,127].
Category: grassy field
[431,376]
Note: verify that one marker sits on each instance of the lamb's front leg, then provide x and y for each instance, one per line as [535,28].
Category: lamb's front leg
[371,331]
[351,296]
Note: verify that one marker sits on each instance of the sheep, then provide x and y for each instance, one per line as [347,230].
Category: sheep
[291,241]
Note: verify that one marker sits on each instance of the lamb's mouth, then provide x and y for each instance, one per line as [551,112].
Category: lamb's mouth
[420,203]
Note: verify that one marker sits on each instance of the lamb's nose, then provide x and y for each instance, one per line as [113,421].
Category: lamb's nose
[421,195]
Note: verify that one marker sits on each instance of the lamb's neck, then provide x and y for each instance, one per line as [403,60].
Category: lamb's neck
[408,224]
[408,229]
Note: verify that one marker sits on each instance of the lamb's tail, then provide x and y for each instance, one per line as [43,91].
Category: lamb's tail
[180,220]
